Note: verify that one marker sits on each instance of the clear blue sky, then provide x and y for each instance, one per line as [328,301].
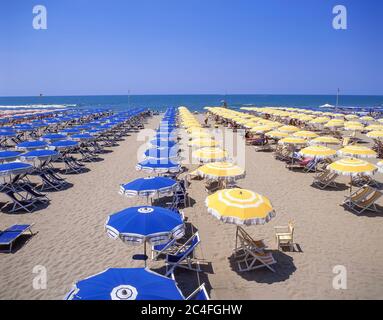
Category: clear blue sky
[190,46]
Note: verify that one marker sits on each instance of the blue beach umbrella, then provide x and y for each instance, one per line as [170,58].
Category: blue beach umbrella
[149,186]
[159,166]
[163,153]
[136,225]
[126,284]
[158,143]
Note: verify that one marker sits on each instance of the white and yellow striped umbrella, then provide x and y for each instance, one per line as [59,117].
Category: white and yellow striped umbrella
[277,134]
[325,140]
[221,170]
[357,151]
[319,152]
[367,118]
[210,154]
[293,141]
[240,207]
[380,165]
[288,129]
[261,129]
[352,167]
[305,134]
[203,143]
[201,135]
[374,127]
[375,134]
[353,127]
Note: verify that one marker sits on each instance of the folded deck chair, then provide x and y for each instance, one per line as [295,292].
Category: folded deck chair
[199,294]
[325,179]
[10,235]
[367,203]
[184,256]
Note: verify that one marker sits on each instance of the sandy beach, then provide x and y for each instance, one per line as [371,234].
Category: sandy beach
[71,242]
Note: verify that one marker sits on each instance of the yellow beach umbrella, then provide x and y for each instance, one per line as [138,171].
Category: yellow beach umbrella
[320,120]
[352,167]
[375,134]
[354,127]
[374,127]
[367,118]
[325,140]
[357,151]
[319,152]
[201,135]
[221,170]
[240,207]
[288,129]
[351,116]
[305,134]
[210,154]
[277,134]
[263,128]
[293,141]
[203,143]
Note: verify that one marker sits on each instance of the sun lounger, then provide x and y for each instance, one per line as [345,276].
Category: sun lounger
[251,254]
[199,294]
[11,234]
[366,203]
[184,256]
[358,195]
[325,179]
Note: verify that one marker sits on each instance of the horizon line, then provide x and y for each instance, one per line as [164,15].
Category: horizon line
[193,94]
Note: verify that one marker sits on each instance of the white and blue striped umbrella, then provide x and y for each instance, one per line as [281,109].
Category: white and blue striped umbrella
[159,166]
[126,284]
[137,225]
[149,186]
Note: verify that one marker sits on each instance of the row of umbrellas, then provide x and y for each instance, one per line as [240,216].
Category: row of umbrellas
[141,225]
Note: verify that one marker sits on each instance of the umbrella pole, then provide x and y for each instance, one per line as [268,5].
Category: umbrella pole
[145,252]
[236,239]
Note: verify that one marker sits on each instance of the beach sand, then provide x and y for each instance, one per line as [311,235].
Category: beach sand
[71,242]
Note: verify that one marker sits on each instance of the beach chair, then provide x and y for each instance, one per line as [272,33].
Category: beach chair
[212,186]
[251,254]
[361,180]
[358,195]
[199,294]
[366,203]
[325,179]
[19,201]
[284,236]
[183,257]
[245,241]
[9,236]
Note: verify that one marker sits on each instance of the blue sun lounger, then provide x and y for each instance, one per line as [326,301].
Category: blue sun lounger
[10,235]
[183,257]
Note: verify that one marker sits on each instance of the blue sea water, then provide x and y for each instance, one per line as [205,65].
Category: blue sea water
[197,102]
